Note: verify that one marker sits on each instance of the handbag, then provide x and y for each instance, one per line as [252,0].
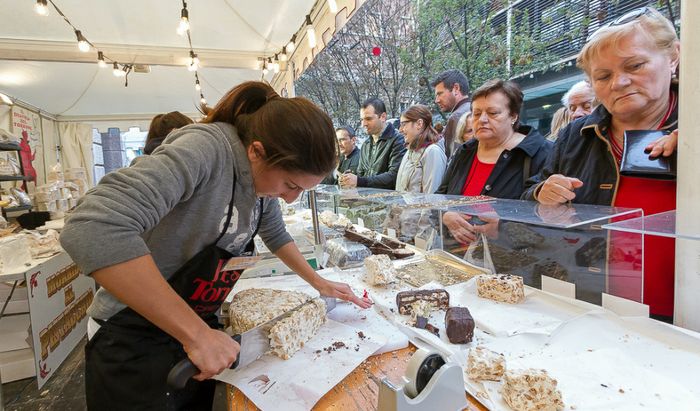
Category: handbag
[637,163]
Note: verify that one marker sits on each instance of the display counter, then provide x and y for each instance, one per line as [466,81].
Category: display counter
[579,317]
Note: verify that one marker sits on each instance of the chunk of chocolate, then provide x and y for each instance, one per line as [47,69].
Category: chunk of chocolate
[382,245]
[438,298]
[459,325]
[550,268]
[591,252]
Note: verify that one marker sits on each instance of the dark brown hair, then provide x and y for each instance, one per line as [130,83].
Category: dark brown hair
[510,89]
[161,125]
[295,134]
[429,135]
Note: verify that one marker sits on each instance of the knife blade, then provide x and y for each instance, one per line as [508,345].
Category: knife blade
[253,343]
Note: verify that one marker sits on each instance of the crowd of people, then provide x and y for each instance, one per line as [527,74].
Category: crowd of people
[200,197]
[630,68]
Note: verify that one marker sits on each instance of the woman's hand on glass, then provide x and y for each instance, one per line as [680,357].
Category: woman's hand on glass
[665,146]
[459,226]
[558,189]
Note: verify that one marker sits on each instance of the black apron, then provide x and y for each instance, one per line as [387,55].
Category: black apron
[128,359]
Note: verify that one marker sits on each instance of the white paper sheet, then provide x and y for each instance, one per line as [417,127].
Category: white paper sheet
[299,382]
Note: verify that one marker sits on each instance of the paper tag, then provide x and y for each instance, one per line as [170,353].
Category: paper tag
[391,233]
[360,222]
[241,263]
[558,287]
[624,307]
[420,243]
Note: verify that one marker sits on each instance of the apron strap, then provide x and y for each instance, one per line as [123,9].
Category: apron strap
[230,209]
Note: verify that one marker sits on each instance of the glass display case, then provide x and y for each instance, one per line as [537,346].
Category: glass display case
[567,242]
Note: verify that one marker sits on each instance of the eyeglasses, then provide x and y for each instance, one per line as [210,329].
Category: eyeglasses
[624,19]
[404,123]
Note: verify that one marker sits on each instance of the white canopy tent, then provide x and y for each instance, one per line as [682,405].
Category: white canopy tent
[40,63]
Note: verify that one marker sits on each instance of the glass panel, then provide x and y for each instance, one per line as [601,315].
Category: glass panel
[566,242]
[662,224]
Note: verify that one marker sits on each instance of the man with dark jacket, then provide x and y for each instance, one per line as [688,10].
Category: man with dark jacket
[349,156]
[452,96]
[381,154]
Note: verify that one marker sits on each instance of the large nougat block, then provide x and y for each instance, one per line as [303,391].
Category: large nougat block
[484,364]
[290,334]
[505,288]
[379,270]
[250,308]
[531,390]
[255,306]
[459,325]
[438,299]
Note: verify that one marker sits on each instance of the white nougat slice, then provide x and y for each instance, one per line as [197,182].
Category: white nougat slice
[252,307]
[531,390]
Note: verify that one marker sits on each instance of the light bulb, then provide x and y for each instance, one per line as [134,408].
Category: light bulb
[197,86]
[265,70]
[41,7]
[101,60]
[283,54]
[117,71]
[202,100]
[310,32]
[292,43]
[83,45]
[332,6]
[184,22]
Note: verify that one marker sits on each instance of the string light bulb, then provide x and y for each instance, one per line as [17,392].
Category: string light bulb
[194,62]
[264,68]
[276,65]
[41,7]
[283,54]
[202,99]
[310,32]
[83,45]
[292,43]
[332,6]
[101,60]
[184,20]
[117,71]
[197,86]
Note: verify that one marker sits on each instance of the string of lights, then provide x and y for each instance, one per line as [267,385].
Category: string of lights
[84,45]
[268,63]
[184,29]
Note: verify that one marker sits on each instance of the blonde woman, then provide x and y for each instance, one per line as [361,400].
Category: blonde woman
[631,64]
[560,120]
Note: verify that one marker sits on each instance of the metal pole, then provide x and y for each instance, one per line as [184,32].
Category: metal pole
[314,217]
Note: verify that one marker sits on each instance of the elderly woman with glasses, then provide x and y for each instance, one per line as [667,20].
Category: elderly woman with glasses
[500,157]
[631,64]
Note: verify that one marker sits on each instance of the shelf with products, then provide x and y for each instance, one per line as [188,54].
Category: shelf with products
[9,146]
[12,178]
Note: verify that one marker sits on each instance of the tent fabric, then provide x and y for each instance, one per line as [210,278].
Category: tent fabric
[76,147]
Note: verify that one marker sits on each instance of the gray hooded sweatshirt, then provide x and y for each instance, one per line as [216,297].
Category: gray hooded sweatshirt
[171,204]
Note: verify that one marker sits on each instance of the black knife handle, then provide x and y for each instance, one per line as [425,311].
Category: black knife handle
[185,369]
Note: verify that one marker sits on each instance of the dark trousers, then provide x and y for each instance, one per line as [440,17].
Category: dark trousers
[126,369]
